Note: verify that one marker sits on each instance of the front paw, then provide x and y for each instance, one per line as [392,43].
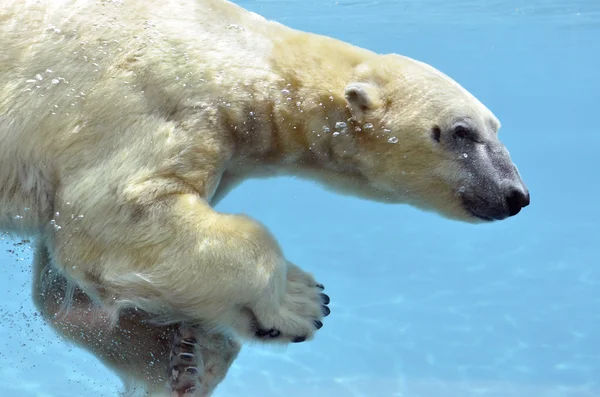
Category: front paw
[304,307]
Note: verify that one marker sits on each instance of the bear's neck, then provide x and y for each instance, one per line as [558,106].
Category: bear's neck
[291,133]
[302,122]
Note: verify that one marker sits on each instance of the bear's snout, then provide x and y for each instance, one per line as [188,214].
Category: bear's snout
[494,189]
[491,202]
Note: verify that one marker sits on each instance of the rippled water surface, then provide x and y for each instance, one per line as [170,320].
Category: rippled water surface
[422,306]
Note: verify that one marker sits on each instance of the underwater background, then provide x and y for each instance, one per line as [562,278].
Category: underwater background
[421,306]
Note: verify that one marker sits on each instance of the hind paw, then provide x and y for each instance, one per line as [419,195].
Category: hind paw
[186,363]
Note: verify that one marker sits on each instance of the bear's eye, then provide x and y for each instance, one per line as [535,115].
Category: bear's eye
[462,131]
[436,133]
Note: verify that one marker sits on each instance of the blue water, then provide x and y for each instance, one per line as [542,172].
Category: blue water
[421,306]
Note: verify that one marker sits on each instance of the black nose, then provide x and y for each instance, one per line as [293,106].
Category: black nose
[516,200]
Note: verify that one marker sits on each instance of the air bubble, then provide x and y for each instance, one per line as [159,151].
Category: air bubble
[393,140]
[465,155]
[326,129]
[336,133]
[39,77]
[368,126]
[55,81]
[340,124]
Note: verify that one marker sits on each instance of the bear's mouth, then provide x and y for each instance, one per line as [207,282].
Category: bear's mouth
[481,211]
[479,216]
[494,208]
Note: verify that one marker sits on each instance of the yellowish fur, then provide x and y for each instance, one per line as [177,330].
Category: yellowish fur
[122,123]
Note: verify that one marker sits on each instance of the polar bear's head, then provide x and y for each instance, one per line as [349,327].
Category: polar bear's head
[426,141]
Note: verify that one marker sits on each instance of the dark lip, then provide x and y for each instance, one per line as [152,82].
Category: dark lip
[468,206]
[478,216]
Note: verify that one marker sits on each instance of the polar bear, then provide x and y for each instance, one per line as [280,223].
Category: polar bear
[122,123]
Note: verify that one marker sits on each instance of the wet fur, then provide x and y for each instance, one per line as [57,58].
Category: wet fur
[118,137]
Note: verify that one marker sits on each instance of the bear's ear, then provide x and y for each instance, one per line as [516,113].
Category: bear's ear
[361,97]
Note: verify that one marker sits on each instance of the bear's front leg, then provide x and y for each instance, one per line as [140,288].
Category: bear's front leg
[181,261]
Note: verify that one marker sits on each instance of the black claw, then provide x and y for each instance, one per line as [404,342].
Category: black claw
[320,286]
[325,298]
[299,339]
[190,390]
[318,324]
[262,332]
[191,370]
[326,311]
[190,341]
[274,333]
[271,333]
[187,356]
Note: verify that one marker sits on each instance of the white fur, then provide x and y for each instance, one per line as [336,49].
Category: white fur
[121,149]
[121,122]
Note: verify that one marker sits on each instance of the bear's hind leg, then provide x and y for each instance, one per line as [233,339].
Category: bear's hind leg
[135,349]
